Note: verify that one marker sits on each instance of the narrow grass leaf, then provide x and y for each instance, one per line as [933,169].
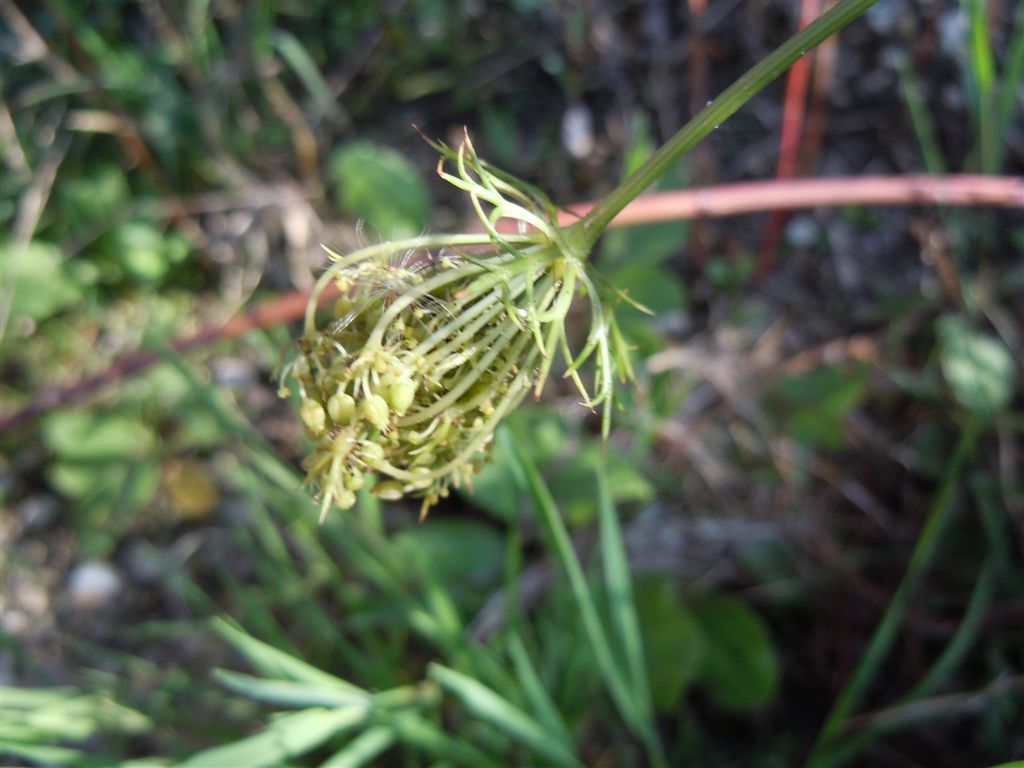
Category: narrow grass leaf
[298,58]
[485,704]
[621,693]
[285,738]
[287,693]
[423,735]
[619,585]
[983,69]
[1013,73]
[536,694]
[362,749]
[927,546]
[273,663]
[920,118]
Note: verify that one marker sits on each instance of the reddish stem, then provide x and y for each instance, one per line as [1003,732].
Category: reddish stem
[710,202]
[789,143]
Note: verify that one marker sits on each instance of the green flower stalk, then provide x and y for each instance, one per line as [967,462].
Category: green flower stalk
[434,339]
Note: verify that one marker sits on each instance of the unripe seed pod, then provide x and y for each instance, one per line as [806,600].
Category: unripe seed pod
[313,416]
[342,445]
[372,454]
[354,481]
[344,498]
[389,490]
[341,408]
[401,394]
[424,459]
[422,481]
[375,409]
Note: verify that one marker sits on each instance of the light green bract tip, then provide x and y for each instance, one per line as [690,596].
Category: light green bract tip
[434,339]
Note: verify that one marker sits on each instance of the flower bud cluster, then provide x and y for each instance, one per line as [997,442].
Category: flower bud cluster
[432,341]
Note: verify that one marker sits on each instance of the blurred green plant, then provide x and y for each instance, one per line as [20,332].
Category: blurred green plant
[36,724]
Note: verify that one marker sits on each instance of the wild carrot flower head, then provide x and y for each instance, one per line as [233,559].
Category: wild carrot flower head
[434,339]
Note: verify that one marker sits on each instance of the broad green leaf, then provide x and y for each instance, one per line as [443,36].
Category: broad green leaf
[673,641]
[815,405]
[105,461]
[573,486]
[96,436]
[93,196]
[377,184]
[653,286]
[456,551]
[980,369]
[35,281]
[740,667]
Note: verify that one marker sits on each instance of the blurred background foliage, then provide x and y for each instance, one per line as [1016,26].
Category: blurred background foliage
[802,433]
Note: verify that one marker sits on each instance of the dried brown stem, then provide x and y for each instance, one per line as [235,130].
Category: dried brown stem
[710,202]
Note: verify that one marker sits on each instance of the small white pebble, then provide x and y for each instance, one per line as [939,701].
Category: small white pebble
[92,584]
[578,131]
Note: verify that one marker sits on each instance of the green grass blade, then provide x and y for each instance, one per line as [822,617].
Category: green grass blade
[273,663]
[287,693]
[621,693]
[362,749]
[298,58]
[1013,73]
[983,74]
[485,704]
[962,640]
[536,694]
[285,738]
[920,117]
[942,669]
[885,633]
[619,584]
[423,735]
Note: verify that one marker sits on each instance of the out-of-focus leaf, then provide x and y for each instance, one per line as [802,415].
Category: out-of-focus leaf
[816,404]
[84,435]
[380,186]
[496,489]
[287,693]
[484,703]
[274,663]
[573,485]
[35,722]
[673,641]
[93,196]
[106,462]
[740,668]
[362,749]
[460,554]
[978,367]
[536,693]
[286,737]
[38,283]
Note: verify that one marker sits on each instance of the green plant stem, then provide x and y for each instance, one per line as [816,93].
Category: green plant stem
[884,635]
[584,234]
